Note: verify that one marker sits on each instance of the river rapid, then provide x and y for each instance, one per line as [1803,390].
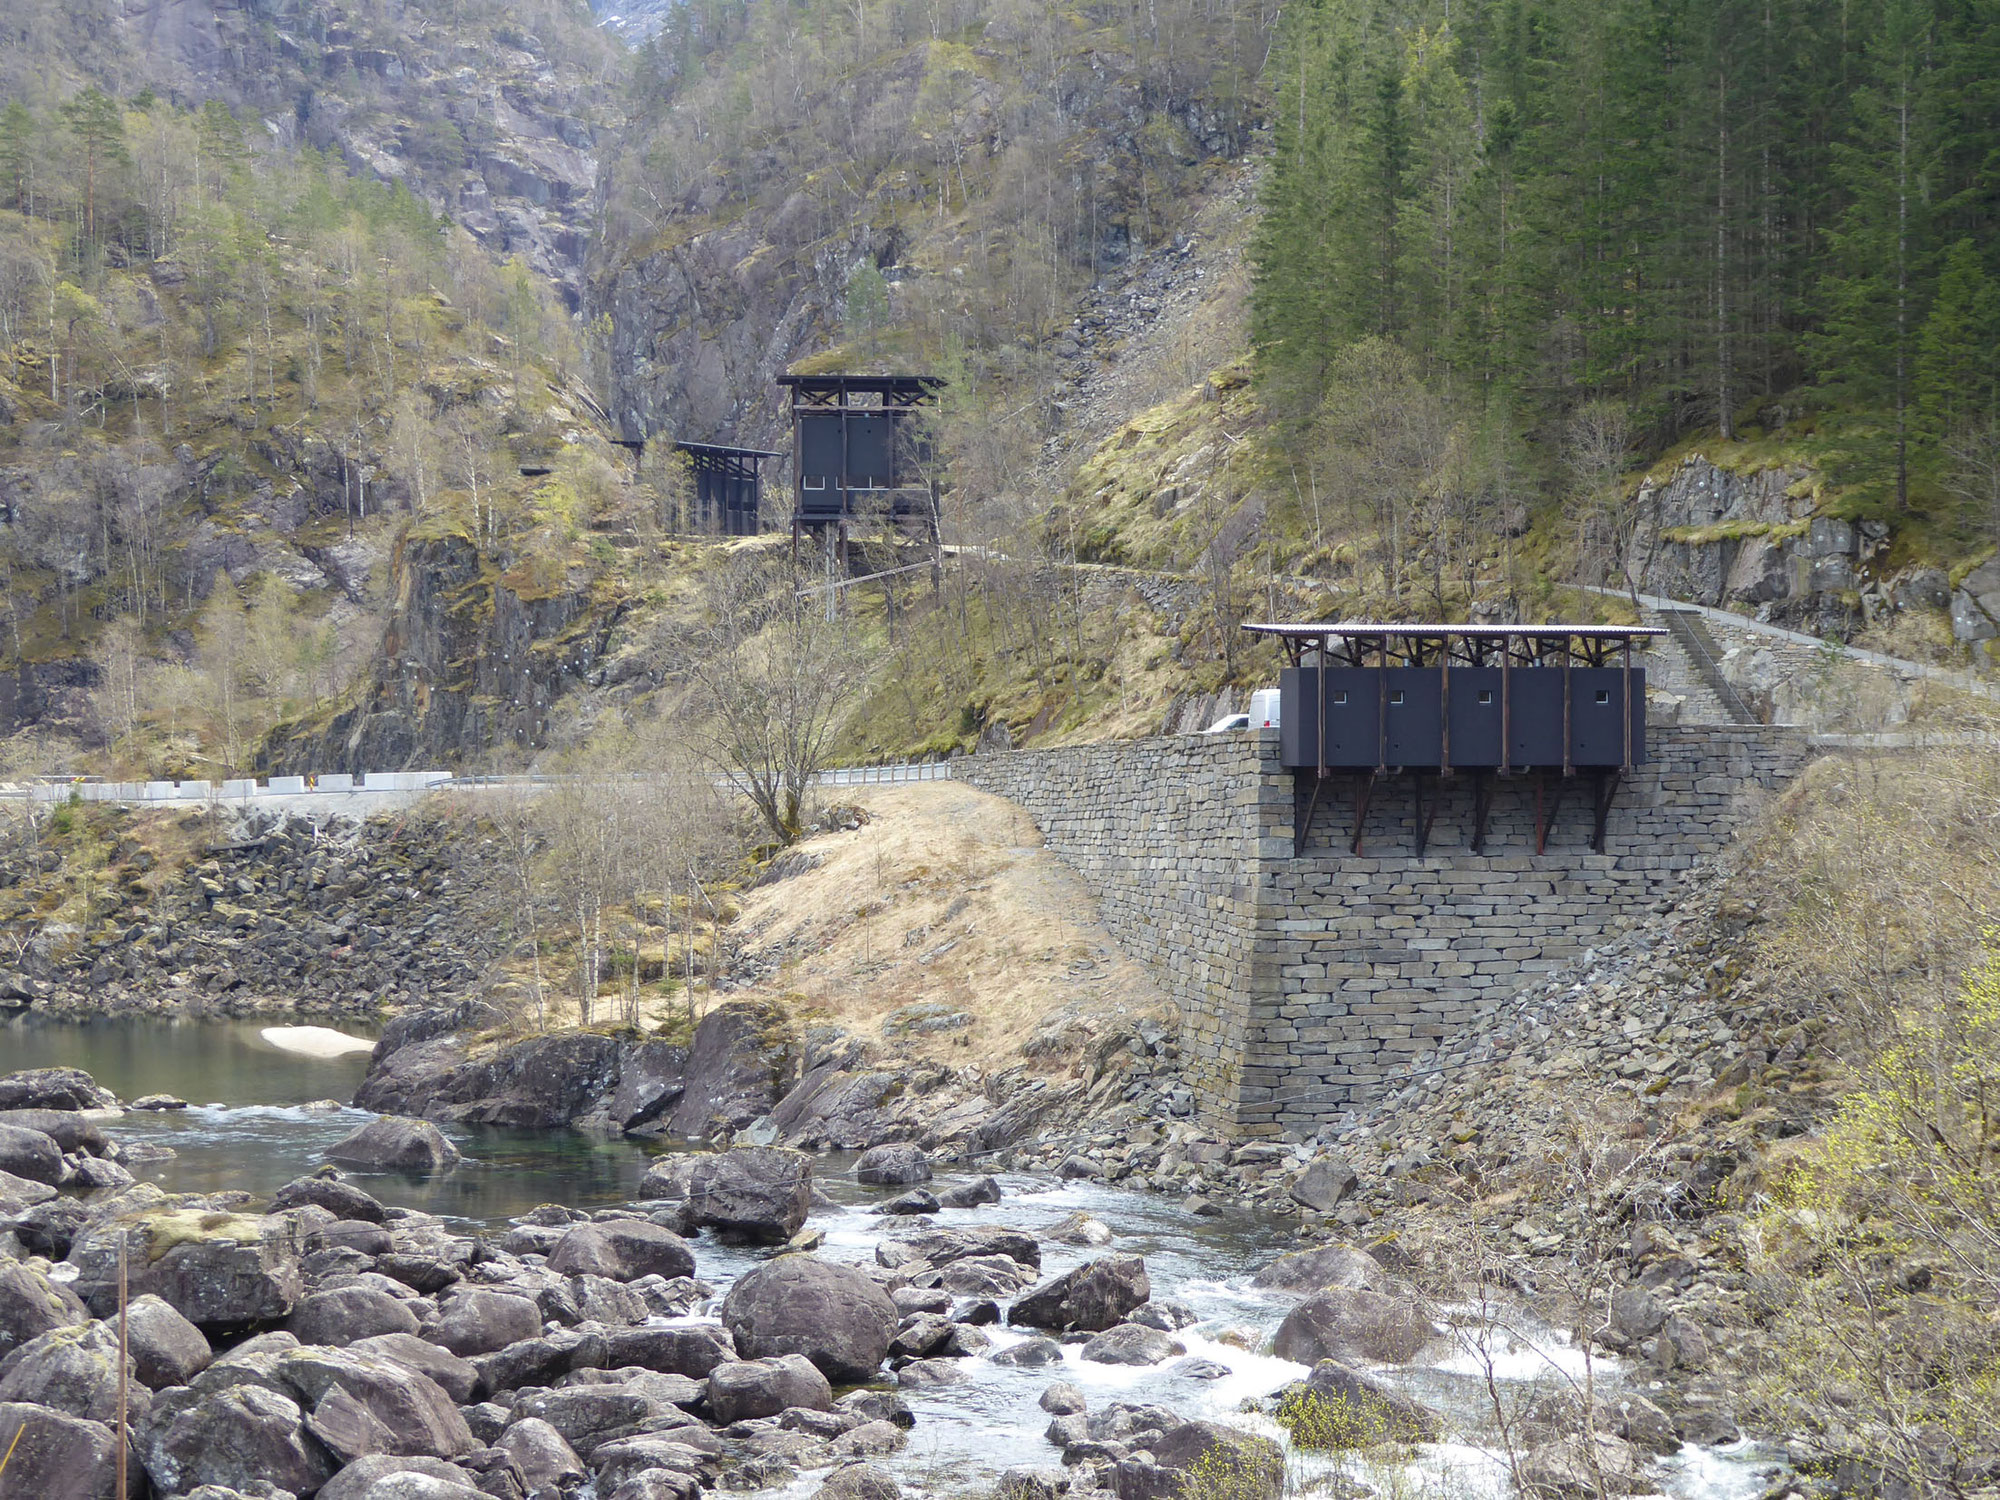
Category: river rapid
[260,1115]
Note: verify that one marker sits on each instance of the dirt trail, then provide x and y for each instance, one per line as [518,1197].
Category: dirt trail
[942,926]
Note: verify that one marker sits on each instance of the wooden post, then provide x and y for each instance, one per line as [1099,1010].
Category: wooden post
[124,1442]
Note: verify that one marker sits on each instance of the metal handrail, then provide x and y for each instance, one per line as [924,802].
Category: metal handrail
[1684,625]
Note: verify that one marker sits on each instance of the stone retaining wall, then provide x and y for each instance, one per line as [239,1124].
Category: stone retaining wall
[1306,982]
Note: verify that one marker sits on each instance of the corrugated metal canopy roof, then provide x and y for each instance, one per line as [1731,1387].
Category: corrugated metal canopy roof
[1486,632]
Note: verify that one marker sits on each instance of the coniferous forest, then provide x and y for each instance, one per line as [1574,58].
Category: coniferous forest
[1732,215]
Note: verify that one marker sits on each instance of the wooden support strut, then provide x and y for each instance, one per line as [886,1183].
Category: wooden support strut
[1424,817]
[1302,827]
[1605,790]
[1364,788]
[1482,804]
[1545,823]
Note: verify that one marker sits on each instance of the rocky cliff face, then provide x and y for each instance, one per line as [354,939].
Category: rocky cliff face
[492,123]
[950,182]
[286,916]
[1717,537]
[470,662]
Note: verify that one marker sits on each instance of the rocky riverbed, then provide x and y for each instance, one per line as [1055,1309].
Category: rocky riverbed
[752,1319]
[208,914]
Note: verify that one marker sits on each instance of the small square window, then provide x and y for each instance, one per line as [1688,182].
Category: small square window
[1340,696]
[1604,695]
[1396,698]
[1486,695]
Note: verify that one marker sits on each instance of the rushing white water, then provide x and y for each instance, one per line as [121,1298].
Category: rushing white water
[966,1433]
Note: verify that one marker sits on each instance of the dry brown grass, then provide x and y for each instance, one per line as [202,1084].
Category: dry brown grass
[945,895]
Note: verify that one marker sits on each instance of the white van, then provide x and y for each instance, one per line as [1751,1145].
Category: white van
[1263,714]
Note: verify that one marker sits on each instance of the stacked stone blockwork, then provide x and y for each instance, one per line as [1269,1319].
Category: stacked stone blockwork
[1308,981]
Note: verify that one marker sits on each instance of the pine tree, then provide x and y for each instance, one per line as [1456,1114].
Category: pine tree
[99,127]
[1865,346]
[17,153]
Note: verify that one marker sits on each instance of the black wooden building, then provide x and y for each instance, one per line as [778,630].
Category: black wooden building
[1431,702]
[859,448]
[728,486]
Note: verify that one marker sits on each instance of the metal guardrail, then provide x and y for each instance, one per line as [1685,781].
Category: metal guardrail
[237,793]
[888,775]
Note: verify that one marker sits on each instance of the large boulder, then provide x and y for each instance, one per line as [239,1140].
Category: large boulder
[327,1189]
[1324,1183]
[56,1455]
[544,1457]
[31,1155]
[623,1250]
[17,1195]
[72,1370]
[343,1314]
[1204,1458]
[943,1246]
[1094,1296]
[406,1412]
[166,1348]
[1338,1406]
[217,1270]
[388,1476]
[740,1063]
[752,1195]
[480,1322]
[858,1481]
[232,1436]
[396,1143]
[656,1466]
[1582,1468]
[652,1078]
[68,1128]
[1353,1327]
[457,1378]
[797,1304]
[1133,1344]
[54,1088]
[31,1305]
[897,1164]
[1327,1265]
[690,1349]
[749,1388]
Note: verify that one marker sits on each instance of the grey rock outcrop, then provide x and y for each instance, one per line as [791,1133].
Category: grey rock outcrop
[743,1389]
[343,1314]
[480,1321]
[396,1143]
[899,1164]
[31,1155]
[1342,1324]
[166,1348]
[1255,1465]
[1094,1296]
[231,1437]
[57,1454]
[31,1305]
[1364,1410]
[217,1270]
[1324,1266]
[622,1250]
[757,1194]
[797,1304]
[72,1370]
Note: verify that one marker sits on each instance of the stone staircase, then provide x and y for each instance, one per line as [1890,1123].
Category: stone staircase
[1684,663]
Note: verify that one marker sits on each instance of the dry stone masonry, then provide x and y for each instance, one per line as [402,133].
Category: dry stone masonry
[1308,983]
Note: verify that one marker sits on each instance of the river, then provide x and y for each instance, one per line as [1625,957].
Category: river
[260,1115]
